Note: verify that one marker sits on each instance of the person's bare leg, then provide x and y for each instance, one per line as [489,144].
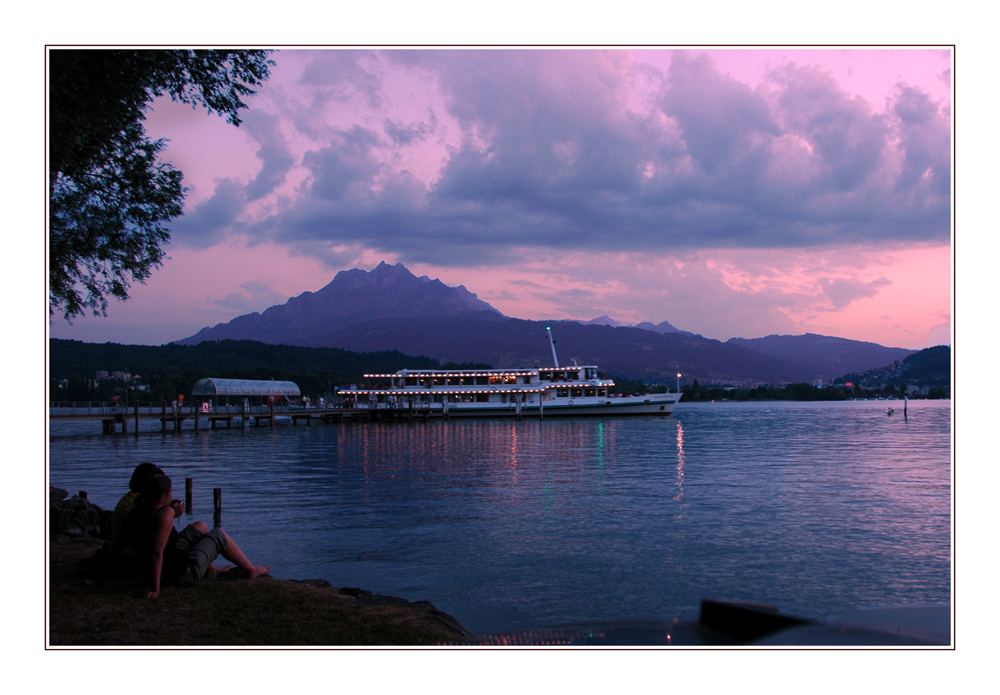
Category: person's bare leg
[234,554]
[212,572]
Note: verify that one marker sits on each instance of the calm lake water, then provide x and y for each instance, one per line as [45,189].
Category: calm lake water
[812,507]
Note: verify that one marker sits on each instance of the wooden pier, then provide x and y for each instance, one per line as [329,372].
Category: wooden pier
[117,418]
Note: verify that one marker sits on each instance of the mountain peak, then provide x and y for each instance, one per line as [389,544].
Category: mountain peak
[353,296]
[604,320]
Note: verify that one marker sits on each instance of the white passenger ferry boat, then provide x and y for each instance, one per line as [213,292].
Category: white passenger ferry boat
[543,392]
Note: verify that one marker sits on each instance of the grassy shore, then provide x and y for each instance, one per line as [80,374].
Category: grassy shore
[258,612]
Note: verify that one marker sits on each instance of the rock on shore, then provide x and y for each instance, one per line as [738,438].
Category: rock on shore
[77,516]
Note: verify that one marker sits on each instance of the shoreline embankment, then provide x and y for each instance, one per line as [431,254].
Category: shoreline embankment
[91,608]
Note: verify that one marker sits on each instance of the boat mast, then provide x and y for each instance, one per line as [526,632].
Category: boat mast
[552,344]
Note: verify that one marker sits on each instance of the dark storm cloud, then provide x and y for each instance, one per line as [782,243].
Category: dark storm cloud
[926,139]
[276,160]
[342,76]
[722,121]
[846,137]
[548,156]
[403,134]
[211,220]
[345,168]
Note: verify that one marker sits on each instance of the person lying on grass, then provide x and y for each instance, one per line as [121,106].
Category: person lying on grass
[178,558]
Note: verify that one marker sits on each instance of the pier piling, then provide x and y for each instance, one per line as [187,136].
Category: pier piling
[217,501]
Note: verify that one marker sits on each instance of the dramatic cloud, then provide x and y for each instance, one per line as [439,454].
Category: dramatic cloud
[211,221]
[586,149]
[276,160]
[730,192]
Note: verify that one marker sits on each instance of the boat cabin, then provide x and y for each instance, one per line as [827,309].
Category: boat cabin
[485,385]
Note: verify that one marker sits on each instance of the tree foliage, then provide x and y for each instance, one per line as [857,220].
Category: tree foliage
[172,369]
[109,194]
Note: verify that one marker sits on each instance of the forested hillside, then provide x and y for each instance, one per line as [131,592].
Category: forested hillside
[172,369]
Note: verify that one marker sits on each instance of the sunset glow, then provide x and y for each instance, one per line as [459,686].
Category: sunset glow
[731,192]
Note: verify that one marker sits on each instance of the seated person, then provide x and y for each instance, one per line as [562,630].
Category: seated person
[178,558]
[125,505]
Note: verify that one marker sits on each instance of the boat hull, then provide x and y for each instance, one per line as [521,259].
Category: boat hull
[649,406]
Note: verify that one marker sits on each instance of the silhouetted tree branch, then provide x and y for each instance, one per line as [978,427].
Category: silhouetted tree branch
[109,192]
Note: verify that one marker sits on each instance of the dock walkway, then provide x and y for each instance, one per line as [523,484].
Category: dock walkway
[117,417]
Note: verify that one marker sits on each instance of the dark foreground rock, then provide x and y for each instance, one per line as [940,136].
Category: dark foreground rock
[77,516]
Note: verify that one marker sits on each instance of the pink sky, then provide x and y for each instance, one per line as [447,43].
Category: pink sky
[732,192]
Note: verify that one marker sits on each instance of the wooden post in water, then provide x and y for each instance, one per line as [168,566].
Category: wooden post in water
[217,499]
[163,417]
[136,410]
[188,485]
[271,408]
[243,414]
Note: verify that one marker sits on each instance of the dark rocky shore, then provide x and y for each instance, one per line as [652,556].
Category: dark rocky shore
[78,529]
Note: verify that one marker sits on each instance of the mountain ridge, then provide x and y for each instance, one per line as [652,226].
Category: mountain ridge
[389,308]
[388,291]
[662,327]
[830,354]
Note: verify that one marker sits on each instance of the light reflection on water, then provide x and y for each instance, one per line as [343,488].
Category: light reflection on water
[507,525]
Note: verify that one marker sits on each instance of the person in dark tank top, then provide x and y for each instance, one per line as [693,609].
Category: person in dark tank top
[172,558]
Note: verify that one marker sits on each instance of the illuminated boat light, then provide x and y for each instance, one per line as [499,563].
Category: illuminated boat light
[563,390]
